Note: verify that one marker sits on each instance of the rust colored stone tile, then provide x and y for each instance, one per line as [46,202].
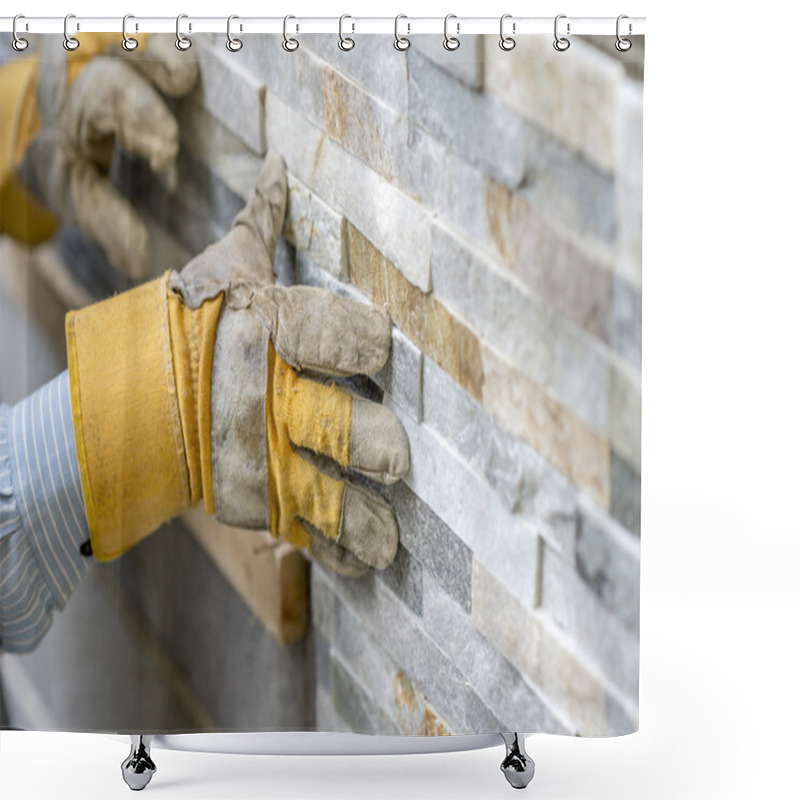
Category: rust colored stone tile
[433,726]
[533,414]
[425,321]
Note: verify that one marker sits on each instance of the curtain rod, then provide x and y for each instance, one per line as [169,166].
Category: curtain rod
[408,26]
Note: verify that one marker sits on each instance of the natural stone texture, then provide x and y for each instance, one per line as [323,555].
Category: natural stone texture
[522,477]
[322,654]
[402,228]
[601,637]
[527,330]
[445,183]
[506,543]
[632,60]
[217,147]
[626,494]
[364,125]
[190,608]
[607,560]
[495,139]
[355,706]
[404,578]
[527,643]
[419,315]
[373,63]
[625,425]
[479,717]
[401,377]
[572,97]
[530,411]
[232,94]
[326,717]
[295,77]
[466,63]
[434,545]
[315,229]
[388,620]
[628,195]
[626,332]
[530,332]
[572,277]
[502,689]
[311,274]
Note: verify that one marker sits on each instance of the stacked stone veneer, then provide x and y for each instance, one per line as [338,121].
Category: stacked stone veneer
[492,202]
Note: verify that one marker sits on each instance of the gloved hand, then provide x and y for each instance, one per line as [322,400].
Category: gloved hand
[209,384]
[87,101]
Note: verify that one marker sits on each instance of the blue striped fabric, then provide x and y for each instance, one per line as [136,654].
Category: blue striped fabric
[42,516]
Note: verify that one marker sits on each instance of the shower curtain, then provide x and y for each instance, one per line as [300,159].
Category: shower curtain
[403,501]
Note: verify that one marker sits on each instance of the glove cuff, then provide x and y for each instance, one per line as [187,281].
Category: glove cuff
[140,374]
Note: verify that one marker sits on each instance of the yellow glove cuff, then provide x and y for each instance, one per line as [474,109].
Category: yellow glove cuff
[140,377]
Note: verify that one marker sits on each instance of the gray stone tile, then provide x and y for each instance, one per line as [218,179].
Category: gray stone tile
[355,706]
[625,413]
[315,229]
[465,63]
[552,350]
[373,63]
[400,633]
[495,139]
[626,331]
[527,484]
[402,230]
[608,564]
[191,609]
[404,578]
[322,653]
[479,718]
[401,377]
[470,508]
[501,687]
[296,77]
[434,545]
[580,614]
[232,94]
[626,494]
[311,274]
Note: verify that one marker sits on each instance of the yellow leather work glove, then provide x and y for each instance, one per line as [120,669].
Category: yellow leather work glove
[212,383]
[86,101]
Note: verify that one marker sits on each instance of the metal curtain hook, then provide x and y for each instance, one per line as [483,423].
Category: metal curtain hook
[129,43]
[233,44]
[345,42]
[623,45]
[400,42]
[19,44]
[507,42]
[70,42]
[182,42]
[290,44]
[451,42]
[561,43]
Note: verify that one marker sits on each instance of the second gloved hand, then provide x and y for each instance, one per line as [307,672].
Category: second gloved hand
[214,383]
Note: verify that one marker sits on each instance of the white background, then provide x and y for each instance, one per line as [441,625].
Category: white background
[720,532]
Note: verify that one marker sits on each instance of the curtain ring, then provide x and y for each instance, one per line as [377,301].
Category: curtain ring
[507,42]
[623,45]
[345,42]
[561,43]
[451,42]
[19,44]
[233,44]
[129,43]
[400,42]
[183,43]
[290,44]
[70,42]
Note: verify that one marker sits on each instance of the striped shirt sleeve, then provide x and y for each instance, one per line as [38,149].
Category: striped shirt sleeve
[42,516]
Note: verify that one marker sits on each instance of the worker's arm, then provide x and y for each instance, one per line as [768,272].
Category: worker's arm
[42,518]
